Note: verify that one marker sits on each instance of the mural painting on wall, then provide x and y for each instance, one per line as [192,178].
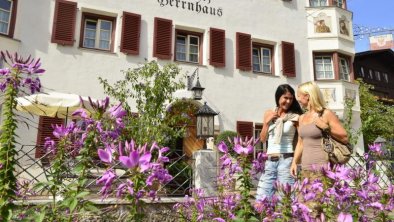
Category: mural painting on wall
[322,23]
[328,95]
[343,26]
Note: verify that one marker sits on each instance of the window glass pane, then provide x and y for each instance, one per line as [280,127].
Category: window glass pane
[193,40]
[105,25]
[267,68]
[193,58]
[3,28]
[89,43]
[323,66]
[194,49]
[105,35]
[90,34]
[5,4]
[180,56]
[181,48]
[181,39]
[104,44]
[266,52]
[256,59]
[91,25]
[4,16]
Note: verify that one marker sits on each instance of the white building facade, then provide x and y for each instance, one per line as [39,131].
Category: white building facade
[243,49]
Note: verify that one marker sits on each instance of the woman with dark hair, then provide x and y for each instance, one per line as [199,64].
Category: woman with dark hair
[279,128]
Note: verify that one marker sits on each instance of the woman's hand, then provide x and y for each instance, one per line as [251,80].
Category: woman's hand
[270,116]
[293,169]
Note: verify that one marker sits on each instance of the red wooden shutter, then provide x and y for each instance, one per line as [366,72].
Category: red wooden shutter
[162,38]
[131,27]
[288,59]
[245,129]
[45,130]
[217,47]
[244,51]
[64,22]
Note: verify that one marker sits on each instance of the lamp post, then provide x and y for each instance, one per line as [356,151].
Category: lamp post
[197,88]
[205,122]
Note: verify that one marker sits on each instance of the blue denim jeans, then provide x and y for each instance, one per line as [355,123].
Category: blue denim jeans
[274,170]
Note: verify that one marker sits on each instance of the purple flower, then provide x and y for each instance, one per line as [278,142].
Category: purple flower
[107,180]
[106,155]
[243,150]
[345,217]
[117,111]
[222,147]
[136,160]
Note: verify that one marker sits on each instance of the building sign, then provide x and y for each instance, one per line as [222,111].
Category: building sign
[197,6]
[381,42]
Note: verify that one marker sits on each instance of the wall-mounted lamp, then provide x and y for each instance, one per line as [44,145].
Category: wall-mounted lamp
[197,89]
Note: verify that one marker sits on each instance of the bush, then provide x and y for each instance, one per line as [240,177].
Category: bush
[224,136]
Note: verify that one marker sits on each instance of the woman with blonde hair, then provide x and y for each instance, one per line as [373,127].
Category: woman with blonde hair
[317,118]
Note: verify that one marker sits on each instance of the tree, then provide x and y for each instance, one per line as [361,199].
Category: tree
[377,118]
[152,89]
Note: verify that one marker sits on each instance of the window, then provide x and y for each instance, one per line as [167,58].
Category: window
[339,3]
[332,65]
[262,58]
[257,130]
[7,17]
[344,69]
[97,32]
[324,67]
[187,47]
[318,3]
[370,74]
[377,75]
[385,77]
[362,74]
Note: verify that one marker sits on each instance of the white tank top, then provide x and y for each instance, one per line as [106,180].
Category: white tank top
[286,142]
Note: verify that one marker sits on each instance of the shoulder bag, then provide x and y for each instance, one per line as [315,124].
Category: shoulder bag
[338,153]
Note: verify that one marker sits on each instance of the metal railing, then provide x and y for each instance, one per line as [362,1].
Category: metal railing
[31,171]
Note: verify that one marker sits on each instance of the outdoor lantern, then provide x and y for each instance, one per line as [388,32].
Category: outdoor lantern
[197,90]
[205,121]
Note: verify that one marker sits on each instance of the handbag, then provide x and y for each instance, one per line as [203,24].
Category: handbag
[338,152]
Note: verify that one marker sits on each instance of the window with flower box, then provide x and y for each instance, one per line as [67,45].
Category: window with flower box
[188,46]
[262,58]
[7,17]
[97,32]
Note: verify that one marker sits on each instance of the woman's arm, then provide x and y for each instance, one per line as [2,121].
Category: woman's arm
[297,152]
[329,121]
[269,116]
[335,126]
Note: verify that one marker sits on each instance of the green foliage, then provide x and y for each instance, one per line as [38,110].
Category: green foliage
[353,134]
[8,154]
[152,88]
[377,118]
[225,136]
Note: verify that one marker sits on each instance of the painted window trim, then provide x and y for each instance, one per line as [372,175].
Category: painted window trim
[12,19]
[90,16]
[188,34]
[260,46]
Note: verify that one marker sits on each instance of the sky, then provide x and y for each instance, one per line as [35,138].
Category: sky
[372,14]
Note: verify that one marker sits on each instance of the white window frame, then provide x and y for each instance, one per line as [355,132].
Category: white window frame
[377,74]
[325,75]
[362,73]
[344,69]
[98,32]
[318,3]
[385,77]
[9,18]
[370,74]
[187,47]
[260,58]
[259,147]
